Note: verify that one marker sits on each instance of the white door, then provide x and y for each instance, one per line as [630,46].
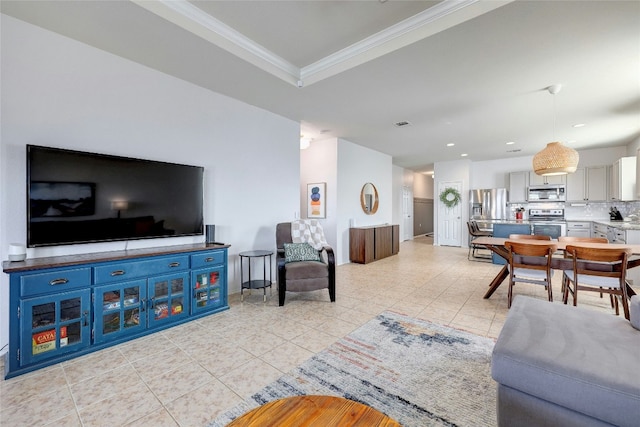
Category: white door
[407,207]
[449,218]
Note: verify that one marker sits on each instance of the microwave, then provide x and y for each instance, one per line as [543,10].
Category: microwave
[546,193]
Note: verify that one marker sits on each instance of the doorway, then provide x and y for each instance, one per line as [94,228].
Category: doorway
[423,216]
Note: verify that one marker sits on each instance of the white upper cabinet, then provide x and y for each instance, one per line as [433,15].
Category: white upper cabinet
[535,179]
[623,179]
[518,183]
[587,184]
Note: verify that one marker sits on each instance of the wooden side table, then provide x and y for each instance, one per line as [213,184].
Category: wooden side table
[319,411]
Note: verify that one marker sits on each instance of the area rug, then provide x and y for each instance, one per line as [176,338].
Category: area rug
[418,373]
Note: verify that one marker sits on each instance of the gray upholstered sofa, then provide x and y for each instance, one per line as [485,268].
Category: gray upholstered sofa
[559,365]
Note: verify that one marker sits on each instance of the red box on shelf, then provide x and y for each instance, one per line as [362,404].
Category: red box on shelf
[44,341]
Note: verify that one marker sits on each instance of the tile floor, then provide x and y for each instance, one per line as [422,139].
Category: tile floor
[187,375]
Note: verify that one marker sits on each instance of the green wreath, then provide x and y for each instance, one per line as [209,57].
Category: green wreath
[450,197]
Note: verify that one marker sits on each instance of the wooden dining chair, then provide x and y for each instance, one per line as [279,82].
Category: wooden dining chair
[530,262]
[528,237]
[578,240]
[598,270]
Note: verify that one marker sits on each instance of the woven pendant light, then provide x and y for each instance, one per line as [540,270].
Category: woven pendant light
[555,158]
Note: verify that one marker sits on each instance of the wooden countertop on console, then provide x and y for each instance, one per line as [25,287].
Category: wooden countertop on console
[68,260]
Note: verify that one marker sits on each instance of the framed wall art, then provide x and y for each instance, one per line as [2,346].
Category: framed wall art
[317,200]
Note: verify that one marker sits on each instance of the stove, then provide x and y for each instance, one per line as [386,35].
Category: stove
[546,214]
[548,222]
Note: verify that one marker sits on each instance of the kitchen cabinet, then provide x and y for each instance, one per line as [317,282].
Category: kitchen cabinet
[632,237]
[623,179]
[587,184]
[535,179]
[579,228]
[623,236]
[518,184]
[599,230]
[68,306]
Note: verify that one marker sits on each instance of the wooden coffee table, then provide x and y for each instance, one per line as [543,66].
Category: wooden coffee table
[319,411]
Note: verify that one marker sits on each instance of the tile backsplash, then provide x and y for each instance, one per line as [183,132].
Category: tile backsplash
[586,211]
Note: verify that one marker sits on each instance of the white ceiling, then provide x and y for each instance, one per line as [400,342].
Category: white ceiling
[469,72]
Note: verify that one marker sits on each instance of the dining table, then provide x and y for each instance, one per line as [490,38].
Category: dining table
[497,246]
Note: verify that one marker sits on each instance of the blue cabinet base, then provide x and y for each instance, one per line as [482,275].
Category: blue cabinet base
[65,307]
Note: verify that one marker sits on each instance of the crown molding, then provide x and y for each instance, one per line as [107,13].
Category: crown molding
[443,15]
[196,21]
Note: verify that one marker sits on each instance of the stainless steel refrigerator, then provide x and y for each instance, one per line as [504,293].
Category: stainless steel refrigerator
[488,204]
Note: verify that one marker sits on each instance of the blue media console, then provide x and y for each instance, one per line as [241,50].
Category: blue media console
[67,306]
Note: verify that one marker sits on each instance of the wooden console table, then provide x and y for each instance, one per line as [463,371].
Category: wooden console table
[372,243]
[321,411]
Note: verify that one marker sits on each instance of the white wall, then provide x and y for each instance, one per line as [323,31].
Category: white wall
[423,186]
[319,163]
[358,165]
[402,178]
[633,147]
[58,92]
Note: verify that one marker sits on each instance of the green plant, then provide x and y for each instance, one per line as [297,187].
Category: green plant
[450,197]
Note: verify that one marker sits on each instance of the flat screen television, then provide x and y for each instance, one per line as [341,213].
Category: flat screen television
[80,197]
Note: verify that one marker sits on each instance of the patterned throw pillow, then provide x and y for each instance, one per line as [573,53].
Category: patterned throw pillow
[300,252]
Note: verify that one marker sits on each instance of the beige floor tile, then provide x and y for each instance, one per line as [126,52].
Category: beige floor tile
[203,405]
[178,382]
[250,377]
[25,387]
[259,343]
[158,363]
[286,356]
[128,405]
[223,359]
[161,417]
[338,327]
[71,420]
[315,342]
[143,347]
[93,364]
[103,386]
[43,409]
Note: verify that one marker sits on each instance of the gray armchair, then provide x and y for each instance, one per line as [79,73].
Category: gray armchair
[303,276]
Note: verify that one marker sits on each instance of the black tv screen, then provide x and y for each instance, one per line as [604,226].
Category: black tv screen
[80,197]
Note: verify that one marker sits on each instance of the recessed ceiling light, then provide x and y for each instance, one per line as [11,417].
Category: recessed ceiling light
[510,143]
[579,125]
[451,144]
[464,155]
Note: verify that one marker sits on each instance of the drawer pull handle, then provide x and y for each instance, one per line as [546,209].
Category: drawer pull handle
[174,264]
[208,259]
[117,273]
[59,282]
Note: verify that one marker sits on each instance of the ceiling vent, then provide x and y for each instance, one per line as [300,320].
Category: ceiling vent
[401,124]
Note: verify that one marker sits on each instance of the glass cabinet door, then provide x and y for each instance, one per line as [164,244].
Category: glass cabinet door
[207,289]
[168,298]
[119,310]
[54,325]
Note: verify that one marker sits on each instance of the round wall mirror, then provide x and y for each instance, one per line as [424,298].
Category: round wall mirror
[369,198]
